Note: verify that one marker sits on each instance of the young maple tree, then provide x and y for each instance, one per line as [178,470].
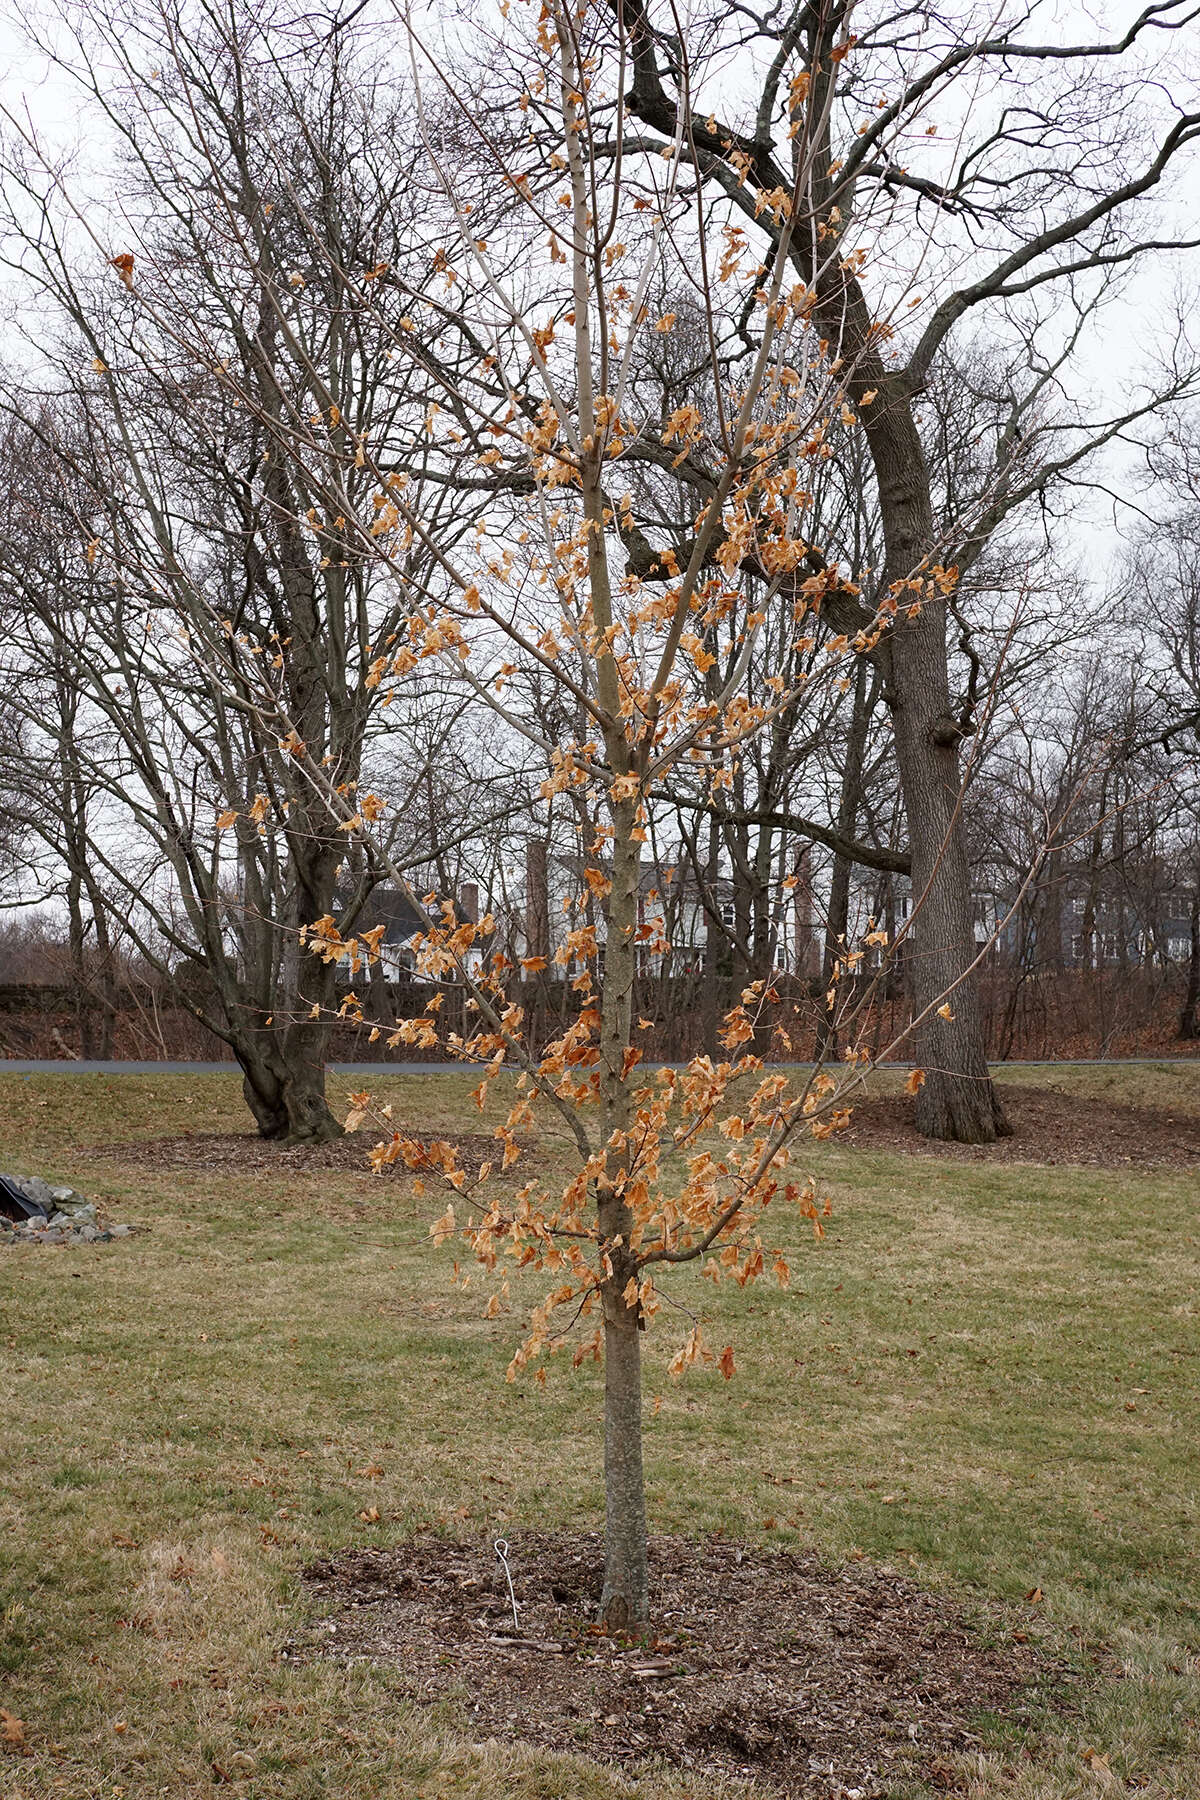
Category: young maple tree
[555,255]
[525,325]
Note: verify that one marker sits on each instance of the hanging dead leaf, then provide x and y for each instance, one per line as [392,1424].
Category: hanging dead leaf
[123,264]
[915,1082]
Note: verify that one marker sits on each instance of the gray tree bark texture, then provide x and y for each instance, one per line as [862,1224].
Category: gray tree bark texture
[958,1100]
[284,1087]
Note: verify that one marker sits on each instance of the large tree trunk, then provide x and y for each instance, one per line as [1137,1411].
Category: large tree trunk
[958,1100]
[283,1080]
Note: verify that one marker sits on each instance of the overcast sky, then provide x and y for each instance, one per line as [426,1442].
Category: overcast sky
[1122,343]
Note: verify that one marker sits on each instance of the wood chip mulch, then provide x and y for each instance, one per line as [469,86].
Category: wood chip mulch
[237,1152]
[766,1666]
[1048,1127]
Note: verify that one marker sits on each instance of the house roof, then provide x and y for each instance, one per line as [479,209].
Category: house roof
[401,918]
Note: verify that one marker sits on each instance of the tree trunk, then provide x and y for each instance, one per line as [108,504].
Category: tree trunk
[537,898]
[80,978]
[107,977]
[958,1100]
[625,1602]
[838,922]
[1189,1021]
[804,927]
[710,977]
[76,851]
[284,1086]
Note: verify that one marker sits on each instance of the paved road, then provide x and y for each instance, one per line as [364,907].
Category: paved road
[63,1066]
[13,1066]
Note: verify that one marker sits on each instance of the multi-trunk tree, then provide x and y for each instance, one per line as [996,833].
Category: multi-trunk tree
[188,420]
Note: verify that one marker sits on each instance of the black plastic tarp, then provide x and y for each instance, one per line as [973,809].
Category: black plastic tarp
[16,1204]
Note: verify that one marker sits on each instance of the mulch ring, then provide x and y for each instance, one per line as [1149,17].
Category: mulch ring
[237,1152]
[767,1666]
[1048,1127]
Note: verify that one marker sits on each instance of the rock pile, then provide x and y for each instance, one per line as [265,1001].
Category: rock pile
[65,1217]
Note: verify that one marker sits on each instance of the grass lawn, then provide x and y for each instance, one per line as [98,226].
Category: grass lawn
[985,1376]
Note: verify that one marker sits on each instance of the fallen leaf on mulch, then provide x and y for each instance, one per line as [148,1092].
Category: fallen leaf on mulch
[762,1664]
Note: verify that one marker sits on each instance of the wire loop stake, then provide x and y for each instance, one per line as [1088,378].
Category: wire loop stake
[501,1548]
